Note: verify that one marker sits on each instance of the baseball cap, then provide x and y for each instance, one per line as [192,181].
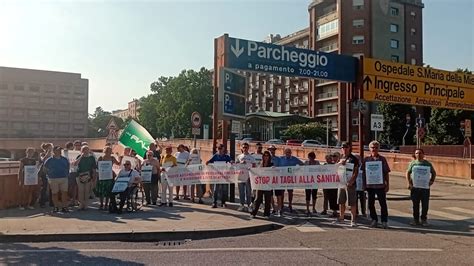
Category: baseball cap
[272,147]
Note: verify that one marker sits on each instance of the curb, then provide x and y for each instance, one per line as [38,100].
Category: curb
[141,236]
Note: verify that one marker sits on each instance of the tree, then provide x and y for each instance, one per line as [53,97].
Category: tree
[167,111]
[98,122]
[394,124]
[316,131]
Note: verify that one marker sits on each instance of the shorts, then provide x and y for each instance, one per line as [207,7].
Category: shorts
[279,192]
[58,184]
[348,194]
[311,193]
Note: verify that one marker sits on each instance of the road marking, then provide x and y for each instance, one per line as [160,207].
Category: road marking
[457,209]
[429,230]
[409,215]
[309,228]
[448,215]
[236,249]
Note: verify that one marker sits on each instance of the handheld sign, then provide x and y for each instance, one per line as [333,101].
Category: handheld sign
[421,176]
[105,170]
[146,173]
[31,175]
[373,173]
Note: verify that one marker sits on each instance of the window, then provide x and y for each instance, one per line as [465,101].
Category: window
[63,115]
[358,23]
[63,127]
[48,100]
[327,29]
[3,87]
[358,39]
[34,126]
[33,113]
[393,28]
[48,126]
[34,88]
[355,121]
[18,99]
[358,4]
[394,44]
[395,58]
[78,115]
[412,31]
[17,125]
[413,47]
[413,61]
[34,99]
[394,11]
[413,14]
[3,112]
[19,88]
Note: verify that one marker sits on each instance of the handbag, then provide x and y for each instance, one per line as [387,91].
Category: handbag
[84,177]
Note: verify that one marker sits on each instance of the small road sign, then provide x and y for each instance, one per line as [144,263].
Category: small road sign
[196,120]
[376,122]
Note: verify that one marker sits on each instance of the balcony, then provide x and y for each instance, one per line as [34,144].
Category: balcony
[294,90]
[324,82]
[294,104]
[325,18]
[254,87]
[327,111]
[303,89]
[303,103]
[327,96]
[269,96]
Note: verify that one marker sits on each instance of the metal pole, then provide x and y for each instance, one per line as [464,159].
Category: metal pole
[403,141]
[376,135]
[232,156]
[327,133]
[194,140]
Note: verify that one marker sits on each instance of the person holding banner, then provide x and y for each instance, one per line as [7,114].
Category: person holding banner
[311,194]
[106,177]
[57,170]
[277,192]
[86,168]
[28,179]
[182,157]
[167,161]
[376,180]
[287,160]
[330,194]
[263,194]
[420,176]
[195,158]
[245,190]
[348,194]
[220,190]
[150,175]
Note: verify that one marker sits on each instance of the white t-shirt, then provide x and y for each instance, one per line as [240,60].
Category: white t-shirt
[133,177]
[247,159]
[258,158]
[194,159]
[181,157]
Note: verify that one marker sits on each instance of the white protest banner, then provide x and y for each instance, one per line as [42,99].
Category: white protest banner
[105,170]
[31,175]
[206,174]
[119,187]
[297,177]
[146,173]
[348,174]
[360,181]
[421,176]
[373,173]
[71,156]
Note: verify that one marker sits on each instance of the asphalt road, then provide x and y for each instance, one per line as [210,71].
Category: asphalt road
[308,241]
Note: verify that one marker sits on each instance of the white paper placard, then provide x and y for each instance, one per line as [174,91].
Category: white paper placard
[105,170]
[373,173]
[421,176]
[348,175]
[147,171]
[360,181]
[31,175]
[119,187]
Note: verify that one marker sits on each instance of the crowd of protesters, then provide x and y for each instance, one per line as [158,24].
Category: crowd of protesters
[67,184]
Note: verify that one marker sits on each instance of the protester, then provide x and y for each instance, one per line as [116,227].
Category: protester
[72,185]
[330,194]
[258,153]
[153,147]
[138,162]
[311,194]
[420,176]
[220,190]
[261,194]
[86,168]
[151,189]
[77,145]
[104,187]
[45,194]
[182,157]
[133,179]
[348,194]
[276,192]
[167,161]
[244,187]
[57,170]
[288,160]
[27,190]
[195,158]
[376,180]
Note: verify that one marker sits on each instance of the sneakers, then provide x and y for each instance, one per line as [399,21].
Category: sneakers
[374,224]
[21,208]
[31,207]
[214,205]
[415,223]
[424,223]
[170,204]
[241,208]
[384,225]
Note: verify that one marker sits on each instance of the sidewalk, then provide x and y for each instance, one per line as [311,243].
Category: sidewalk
[183,221]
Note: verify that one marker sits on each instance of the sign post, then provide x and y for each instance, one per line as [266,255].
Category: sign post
[376,123]
[196,121]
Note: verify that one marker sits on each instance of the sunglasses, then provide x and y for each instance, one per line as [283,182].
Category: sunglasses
[126,164]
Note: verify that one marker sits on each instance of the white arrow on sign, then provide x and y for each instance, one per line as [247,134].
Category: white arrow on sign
[237,50]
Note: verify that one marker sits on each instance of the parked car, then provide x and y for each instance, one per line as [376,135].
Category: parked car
[246,140]
[293,142]
[312,143]
[275,141]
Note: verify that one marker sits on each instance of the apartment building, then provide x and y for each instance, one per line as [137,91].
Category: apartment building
[133,110]
[39,103]
[384,29]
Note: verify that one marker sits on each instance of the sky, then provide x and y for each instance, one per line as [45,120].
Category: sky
[121,47]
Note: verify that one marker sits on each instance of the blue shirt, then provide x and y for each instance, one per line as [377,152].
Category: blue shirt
[276,161]
[292,161]
[57,167]
[220,158]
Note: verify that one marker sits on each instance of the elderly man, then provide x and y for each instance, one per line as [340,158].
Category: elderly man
[287,160]
[57,169]
[220,190]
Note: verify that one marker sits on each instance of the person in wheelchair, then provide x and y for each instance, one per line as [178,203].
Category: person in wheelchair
[126,184]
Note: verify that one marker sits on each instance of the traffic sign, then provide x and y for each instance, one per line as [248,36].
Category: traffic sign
[196,131]
[112,136]
[196,120]
[232,92]
[467,128]
[289,61]
[376,122]
[236,127]
[391,82]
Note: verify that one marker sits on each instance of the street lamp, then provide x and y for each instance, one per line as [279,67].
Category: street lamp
[407,125]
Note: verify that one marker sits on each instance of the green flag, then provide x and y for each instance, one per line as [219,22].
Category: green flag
[136,137]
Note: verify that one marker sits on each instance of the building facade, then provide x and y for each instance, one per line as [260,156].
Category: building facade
[132,111]
[383,29]
[38,103]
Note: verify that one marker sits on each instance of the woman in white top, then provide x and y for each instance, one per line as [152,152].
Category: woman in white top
[195,158]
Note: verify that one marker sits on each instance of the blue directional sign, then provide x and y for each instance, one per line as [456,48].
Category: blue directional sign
[289,61]
[232,88]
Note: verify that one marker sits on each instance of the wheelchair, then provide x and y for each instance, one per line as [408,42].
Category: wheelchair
[133,199]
